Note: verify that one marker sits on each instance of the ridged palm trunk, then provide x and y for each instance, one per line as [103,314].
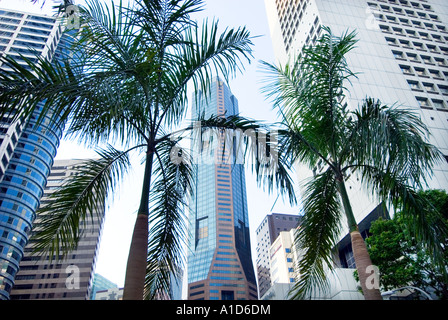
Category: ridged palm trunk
[136,266]
[134,284]
[360,253]
[363,266]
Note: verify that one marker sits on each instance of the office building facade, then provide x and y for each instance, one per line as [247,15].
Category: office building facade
[401,59]
[219,255]
[100,283]
[70,277]
[267,232]
[27,149]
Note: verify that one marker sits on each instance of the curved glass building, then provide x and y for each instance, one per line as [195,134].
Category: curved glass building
[219,256]
[27,148]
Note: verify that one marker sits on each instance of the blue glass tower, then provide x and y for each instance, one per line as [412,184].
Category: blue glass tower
[219,256]
[27,149]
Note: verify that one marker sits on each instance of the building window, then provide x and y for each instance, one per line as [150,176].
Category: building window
[435,73]
[438,104]
[423,102]
[406,69]
[429,87]
[414,85]
[443,89]
[420,72]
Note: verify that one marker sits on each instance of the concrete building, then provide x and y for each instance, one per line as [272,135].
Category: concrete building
[267,232]
[27,149]
[62,278]
[401,58]
[219,255]
[283,273]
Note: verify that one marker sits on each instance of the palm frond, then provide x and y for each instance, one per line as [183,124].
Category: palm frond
[308,92]
[168,200]
[204,54]
[164,21]
[393,139]
[251,143]
[81,198]
[317,235]
[393,187]
[23,91]
[108,41]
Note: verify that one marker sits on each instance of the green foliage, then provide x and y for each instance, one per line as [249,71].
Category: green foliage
[384,146]
[403,260]
[81,195]
[123,80]
[386,248]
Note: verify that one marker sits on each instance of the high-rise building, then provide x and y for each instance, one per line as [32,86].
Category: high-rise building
[284,256]
[27,149]
[70,277]
[100,283]
[219,255]
[267,232]
[400,58]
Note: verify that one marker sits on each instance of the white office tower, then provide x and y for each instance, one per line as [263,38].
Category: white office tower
[401,58]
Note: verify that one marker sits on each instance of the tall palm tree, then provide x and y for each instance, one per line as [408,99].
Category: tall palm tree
[124,82]
[384,146]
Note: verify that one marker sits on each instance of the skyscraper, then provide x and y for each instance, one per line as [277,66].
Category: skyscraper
[267,232]
[219,254]
[68,278]
[401,58]
[100,283]
[26,149]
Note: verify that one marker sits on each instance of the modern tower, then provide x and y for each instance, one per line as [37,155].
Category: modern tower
[100,283]
[68,278]
[26,149]
[267,232]
[219,254]
[401,59]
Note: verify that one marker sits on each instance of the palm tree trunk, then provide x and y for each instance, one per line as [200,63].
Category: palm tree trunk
[369,285]
[361,255]
[136,266]
[138,252]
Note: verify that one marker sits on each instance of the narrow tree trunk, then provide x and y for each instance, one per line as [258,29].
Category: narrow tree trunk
[364,266]
[134,284]
[366,272]
[136,266]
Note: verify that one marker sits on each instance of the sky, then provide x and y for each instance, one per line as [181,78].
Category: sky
[121,213]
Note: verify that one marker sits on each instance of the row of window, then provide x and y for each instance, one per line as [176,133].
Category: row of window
[416,45]
[430,87]
[424,11]
[410,4]
[425,60]
[423,35]
[407,22]
[425,102]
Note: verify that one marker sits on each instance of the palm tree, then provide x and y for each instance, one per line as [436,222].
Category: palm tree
[384,146]
[124,82]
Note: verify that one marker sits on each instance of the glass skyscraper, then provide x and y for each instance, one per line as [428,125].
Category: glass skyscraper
[219,253]
[27,149]
[68,278]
